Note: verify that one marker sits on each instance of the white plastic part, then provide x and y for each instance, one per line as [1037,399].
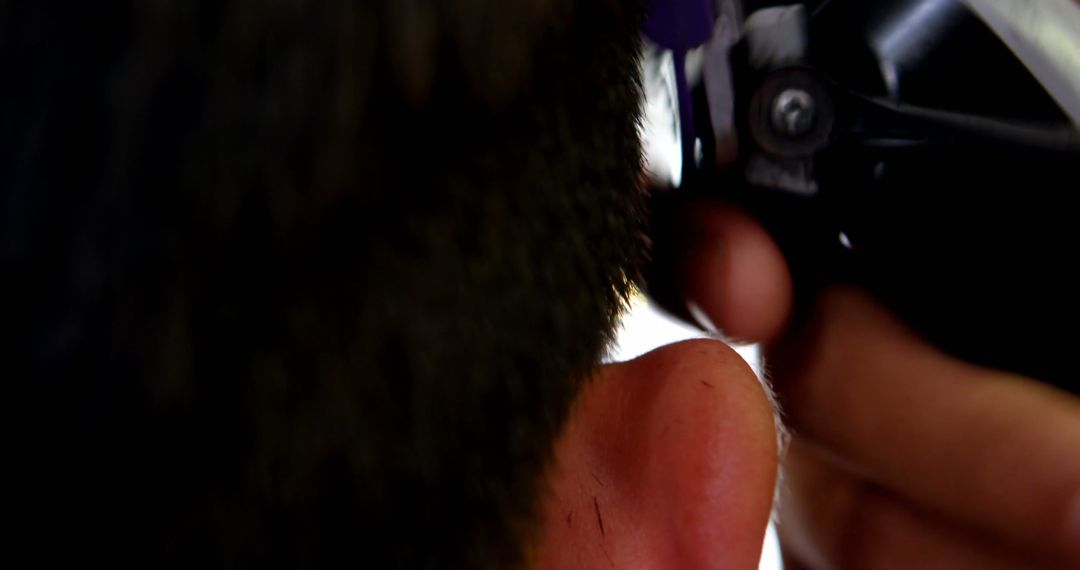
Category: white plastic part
[1045,35]
[660,129]
[719,87]
[910,35]
[776,36]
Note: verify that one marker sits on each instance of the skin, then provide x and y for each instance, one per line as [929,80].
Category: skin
[901,456]
[668,461]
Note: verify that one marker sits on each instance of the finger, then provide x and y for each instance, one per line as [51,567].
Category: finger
[828,518]
[735,274]
[716,266]
[983,448]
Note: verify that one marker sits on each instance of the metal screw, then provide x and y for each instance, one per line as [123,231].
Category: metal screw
[793,112]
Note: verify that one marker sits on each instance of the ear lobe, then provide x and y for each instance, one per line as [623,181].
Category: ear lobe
[668,461]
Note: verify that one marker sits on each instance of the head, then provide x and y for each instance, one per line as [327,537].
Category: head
[298,283]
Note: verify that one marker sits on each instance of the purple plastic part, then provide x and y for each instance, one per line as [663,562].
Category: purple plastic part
[681,25]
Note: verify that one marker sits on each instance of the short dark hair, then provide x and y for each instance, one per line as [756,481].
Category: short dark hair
[303,283]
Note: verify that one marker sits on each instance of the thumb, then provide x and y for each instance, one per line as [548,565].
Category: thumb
[716,266]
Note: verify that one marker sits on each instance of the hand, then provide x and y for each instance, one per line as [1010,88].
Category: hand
[901,456]
[904,457]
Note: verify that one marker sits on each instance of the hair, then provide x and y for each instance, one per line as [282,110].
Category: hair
[291,283]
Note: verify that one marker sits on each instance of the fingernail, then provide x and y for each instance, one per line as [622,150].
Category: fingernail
[701,318]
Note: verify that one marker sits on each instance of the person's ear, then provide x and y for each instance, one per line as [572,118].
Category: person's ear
[667,461]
